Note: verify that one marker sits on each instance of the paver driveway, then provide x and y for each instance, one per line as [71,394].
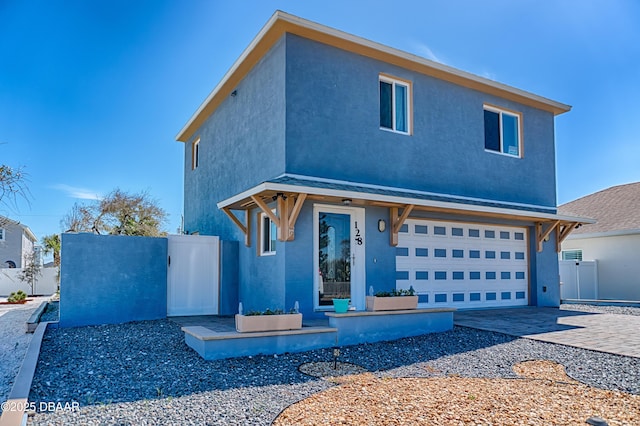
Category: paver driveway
[611,333]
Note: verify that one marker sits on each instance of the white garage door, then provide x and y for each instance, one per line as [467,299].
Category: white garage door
[463,265]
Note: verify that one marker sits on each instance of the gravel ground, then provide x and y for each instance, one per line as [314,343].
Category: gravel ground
[51,313]
[143,373]
[14,341]
[623,310]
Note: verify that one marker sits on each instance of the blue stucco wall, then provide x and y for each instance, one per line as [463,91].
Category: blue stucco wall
[229,269]
[333,131]
[112,279]
[261,278]
[241,145]
[545,272]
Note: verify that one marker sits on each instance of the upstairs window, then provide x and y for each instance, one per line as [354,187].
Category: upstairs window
[502,131]
[1,234]
[195,154]
[395,105]
[268,234]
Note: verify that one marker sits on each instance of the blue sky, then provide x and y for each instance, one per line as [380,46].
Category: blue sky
[92,93]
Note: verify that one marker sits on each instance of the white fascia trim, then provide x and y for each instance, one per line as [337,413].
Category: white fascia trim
[410,191]
[279,187]
[617,233]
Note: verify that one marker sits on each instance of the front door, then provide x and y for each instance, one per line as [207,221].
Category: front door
[339,255]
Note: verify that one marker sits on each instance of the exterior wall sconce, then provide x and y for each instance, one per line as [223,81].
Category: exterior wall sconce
[382,225]
[346,202]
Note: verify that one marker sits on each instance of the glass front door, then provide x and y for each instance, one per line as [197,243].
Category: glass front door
[334,257]
[339,255]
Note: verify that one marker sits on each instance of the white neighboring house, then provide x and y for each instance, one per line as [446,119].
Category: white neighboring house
[613,241]
[16,242]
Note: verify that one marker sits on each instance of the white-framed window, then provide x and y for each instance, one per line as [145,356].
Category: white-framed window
[1,234]
[395,105]
[195,154]
[502,131]
[268,235]
[572,255]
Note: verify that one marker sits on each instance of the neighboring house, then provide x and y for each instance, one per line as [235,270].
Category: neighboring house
[16,242]
[342,165]
[613,241]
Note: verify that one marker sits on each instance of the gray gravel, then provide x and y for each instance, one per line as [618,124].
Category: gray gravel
[144,374]
[622,310]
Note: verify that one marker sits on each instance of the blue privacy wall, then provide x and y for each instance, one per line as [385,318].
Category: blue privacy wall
[112,279]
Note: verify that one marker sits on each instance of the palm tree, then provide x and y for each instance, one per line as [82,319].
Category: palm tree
[51,243]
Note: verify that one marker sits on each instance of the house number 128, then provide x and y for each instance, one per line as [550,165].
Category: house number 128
[358,237]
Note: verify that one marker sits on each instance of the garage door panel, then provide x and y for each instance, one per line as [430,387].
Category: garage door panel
[463,265]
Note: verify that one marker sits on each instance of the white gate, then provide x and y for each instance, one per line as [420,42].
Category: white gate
[578,279]
[193,275]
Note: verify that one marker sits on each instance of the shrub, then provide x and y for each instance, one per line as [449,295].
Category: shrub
[18,296]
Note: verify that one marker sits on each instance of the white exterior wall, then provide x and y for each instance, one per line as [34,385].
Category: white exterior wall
[618,263]
[47,283]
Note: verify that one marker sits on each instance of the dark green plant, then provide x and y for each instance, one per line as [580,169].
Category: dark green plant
[396,293]
[270,311]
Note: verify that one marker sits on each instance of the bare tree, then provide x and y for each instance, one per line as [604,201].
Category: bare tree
[119,213]
[12,187]
[31,271]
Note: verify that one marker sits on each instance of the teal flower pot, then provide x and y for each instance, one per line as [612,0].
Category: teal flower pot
[340,306]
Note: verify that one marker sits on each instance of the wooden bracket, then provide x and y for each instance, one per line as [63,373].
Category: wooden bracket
[396,222]
[263,206]
[287,212]
[246,229]
[563,232]
[542,233]
[294,212]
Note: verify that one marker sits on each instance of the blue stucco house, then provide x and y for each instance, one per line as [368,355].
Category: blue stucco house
[340,165]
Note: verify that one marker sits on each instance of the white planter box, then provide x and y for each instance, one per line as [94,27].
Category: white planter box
[252,323]
[396,303]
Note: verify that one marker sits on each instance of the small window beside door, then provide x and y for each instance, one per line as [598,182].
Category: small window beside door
[268,234]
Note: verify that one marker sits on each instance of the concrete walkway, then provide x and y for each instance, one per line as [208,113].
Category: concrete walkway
[611,333]
[14,340]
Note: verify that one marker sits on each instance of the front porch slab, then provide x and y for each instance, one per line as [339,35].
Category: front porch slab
[356,327]
[212,345]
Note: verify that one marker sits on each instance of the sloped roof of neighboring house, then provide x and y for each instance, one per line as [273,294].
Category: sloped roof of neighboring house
[281,23]
[5,220]
[616,209]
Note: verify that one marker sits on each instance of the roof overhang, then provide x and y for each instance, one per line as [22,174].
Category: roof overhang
[281,23]
[293,195]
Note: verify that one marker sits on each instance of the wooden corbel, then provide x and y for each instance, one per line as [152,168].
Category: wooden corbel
[542,232]
[563,232]
[396,222]
[246,229]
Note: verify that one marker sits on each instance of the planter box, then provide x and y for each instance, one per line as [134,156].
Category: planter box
[395,303]
[252,323]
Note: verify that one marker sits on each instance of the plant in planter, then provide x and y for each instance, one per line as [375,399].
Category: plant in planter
[393,300]
[268,320]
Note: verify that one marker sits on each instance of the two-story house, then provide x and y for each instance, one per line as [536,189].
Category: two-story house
[16,243]
[341,165]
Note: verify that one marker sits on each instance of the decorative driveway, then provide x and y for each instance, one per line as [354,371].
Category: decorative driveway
[611,333]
